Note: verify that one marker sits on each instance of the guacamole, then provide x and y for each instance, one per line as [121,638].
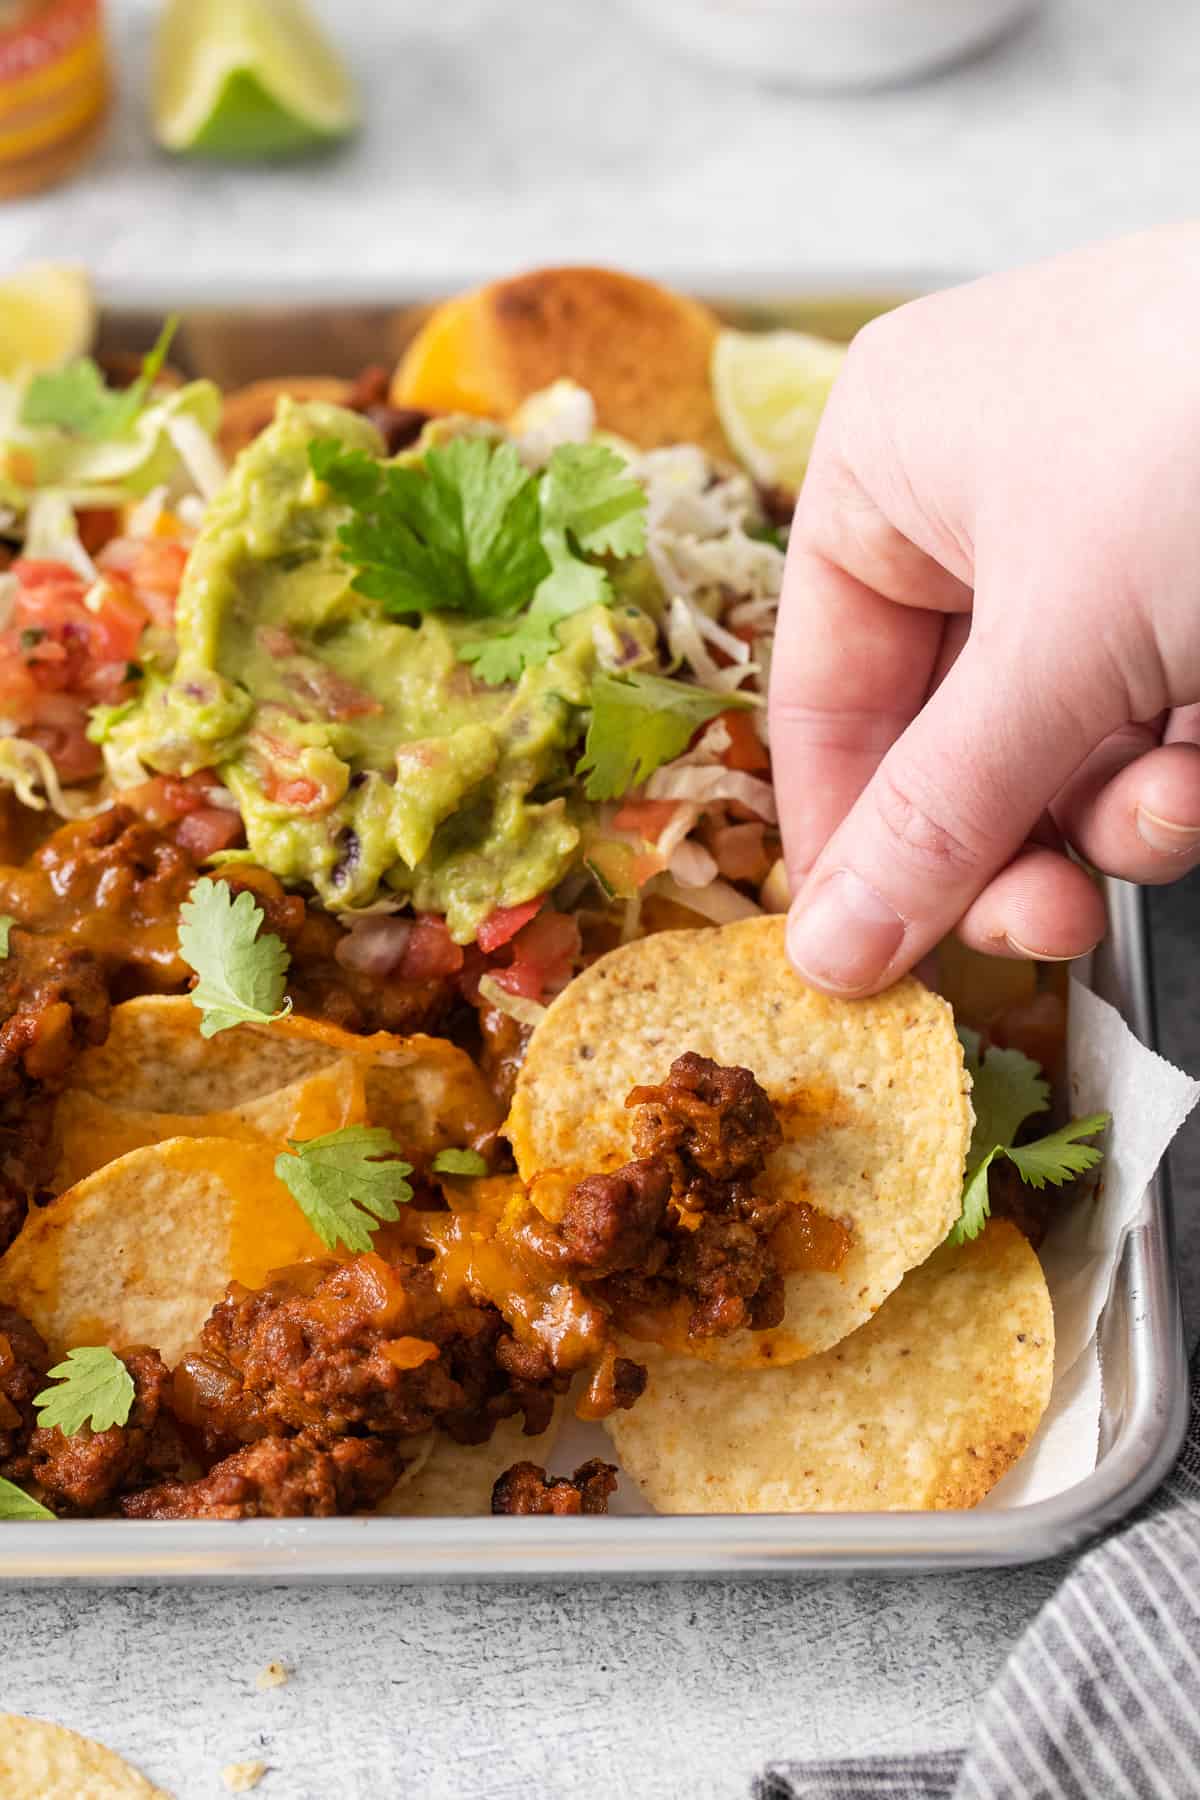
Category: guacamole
[362,752]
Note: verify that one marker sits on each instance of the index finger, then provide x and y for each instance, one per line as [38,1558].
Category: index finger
[849,672]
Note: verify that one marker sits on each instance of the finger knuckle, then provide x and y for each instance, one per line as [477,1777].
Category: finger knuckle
[923,829]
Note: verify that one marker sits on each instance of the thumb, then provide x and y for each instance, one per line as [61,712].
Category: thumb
[949,805]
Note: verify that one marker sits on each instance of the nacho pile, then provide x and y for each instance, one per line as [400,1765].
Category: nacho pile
[398,1047]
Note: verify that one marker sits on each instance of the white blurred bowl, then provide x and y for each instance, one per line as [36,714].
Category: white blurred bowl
[833,43]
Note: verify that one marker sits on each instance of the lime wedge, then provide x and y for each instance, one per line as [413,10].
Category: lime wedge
[770,388]
[47,316]
[248,79]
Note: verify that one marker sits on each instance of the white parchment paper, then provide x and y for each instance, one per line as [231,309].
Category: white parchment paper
[1110,1070]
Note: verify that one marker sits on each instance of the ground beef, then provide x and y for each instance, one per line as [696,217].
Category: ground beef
[611,1222]
[361,1346]
[525,1488]
[53,1001]
[616,1383]
[24,1360]
[279,1478]
[715,1126]
[501,1050]
[113,884]
[87,1472]
[684,1220]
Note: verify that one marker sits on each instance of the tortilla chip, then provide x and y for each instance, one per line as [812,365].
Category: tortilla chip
[155,1060]
[140,1251]
[872,1096]
[924,1408]
[250,409]
[642,352]
[90,1132]
[424,1090]
[49,1762]
[249,1081]
[456,1480]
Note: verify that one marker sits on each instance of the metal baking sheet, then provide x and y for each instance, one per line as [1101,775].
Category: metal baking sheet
[1144,1407]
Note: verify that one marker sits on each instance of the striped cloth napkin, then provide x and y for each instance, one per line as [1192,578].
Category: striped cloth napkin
[1100,1699]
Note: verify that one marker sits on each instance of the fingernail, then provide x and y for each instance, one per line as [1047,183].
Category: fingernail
[1164,836]
[846,935]
[1024,950]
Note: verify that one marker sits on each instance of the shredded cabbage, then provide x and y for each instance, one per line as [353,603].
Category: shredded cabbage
[718,901]
[25,766]
[704,786]
[52,534]
[111,471]
[198,454]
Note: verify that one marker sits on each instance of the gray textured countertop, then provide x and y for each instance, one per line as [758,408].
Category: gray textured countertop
[504,135]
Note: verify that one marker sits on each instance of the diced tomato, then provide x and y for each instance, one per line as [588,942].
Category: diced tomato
[543,955]
[746,750]
[209,829]
[118,621]
[295,791]
[648,818]
[330,693]
[740,852]
[164,799]
[503,925]
[153,567]
[521,978]
[430,951]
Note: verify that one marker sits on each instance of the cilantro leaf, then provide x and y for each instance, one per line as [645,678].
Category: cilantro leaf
[639,722]
[459,1162]
[976,1201]
[241,974]
[527,644]
[77,399]
[1059,1155]
[460,533]
[15,1503]
[1009,1088]
[588,492]
[339,1185]
[6,924]
[94,1388]
[472,531]
[1006,1089]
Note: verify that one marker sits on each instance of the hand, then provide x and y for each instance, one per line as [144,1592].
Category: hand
[989,641]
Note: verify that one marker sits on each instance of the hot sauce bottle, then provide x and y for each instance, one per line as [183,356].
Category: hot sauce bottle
[54,90]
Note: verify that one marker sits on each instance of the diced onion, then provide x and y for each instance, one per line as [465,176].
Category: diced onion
[374,946]
[692,866]
[525,1012]
[672,835]
[718,901]
[198,454]
[704,786]
[687,645]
